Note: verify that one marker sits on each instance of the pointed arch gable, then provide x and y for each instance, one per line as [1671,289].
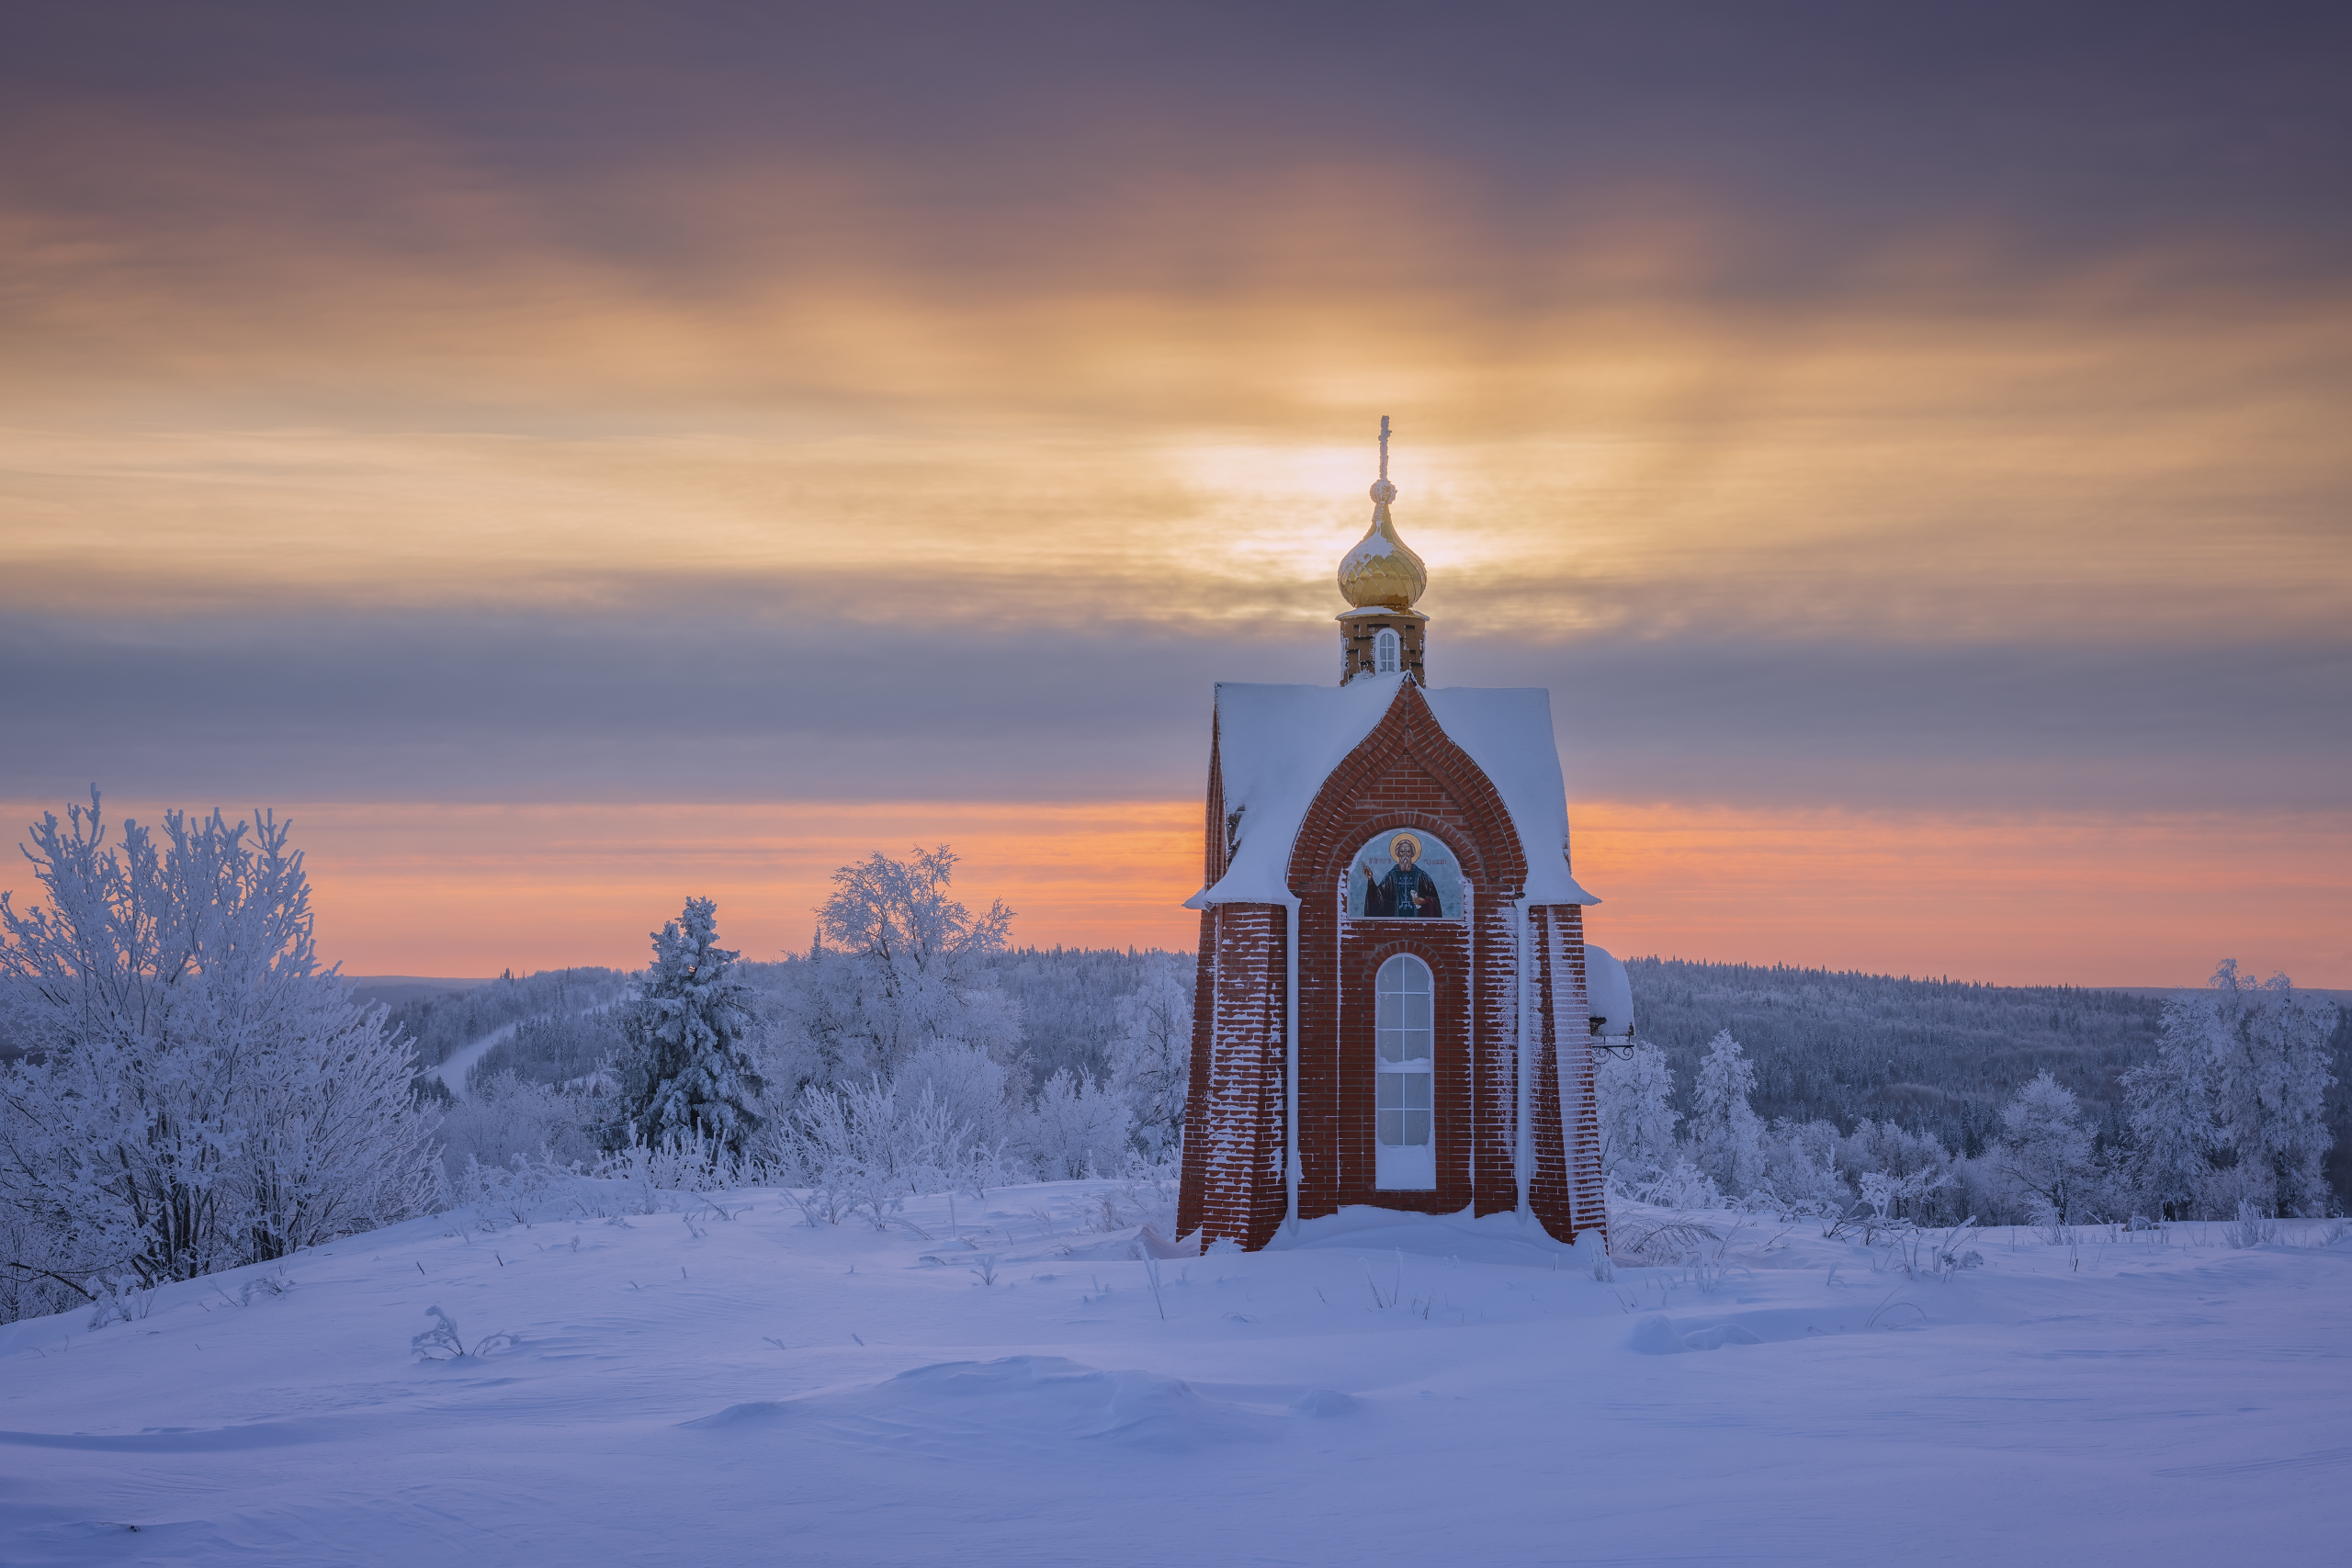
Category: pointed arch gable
[1479,829]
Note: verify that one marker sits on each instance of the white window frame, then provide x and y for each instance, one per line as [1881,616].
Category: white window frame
[1388,652]
[1404,1076]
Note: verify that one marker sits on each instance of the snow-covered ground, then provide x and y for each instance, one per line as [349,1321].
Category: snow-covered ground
[1389,1390]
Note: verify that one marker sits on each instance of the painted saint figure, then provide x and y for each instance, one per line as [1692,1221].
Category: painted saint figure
[1407,889]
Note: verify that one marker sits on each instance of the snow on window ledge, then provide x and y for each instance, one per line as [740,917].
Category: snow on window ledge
[1405,1167]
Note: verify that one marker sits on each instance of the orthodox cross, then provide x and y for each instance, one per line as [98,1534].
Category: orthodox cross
[1383,447]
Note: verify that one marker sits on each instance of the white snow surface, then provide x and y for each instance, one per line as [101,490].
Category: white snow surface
[1277,744]
[1381,1388]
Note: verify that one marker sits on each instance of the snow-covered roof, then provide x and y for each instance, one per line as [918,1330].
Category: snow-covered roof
[1277,744]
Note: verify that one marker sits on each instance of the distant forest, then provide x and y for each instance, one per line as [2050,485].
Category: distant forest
[1936,1056]
[1067,997]
[440,1025]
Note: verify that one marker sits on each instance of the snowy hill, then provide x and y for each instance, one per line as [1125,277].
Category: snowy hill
[684,1387]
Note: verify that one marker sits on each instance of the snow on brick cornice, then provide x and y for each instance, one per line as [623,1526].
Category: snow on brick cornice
[1507,732]
[1277,744]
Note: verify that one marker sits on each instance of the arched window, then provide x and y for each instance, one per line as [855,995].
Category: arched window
[1405,1039]
[1383,651]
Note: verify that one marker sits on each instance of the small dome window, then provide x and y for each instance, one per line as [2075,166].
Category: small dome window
[1384,648]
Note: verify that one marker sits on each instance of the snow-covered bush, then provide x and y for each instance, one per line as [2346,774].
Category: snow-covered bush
[1077,1128]
[1800,1168]
[1680,1185]
[1903,1154]
[2251,1228]
[866,1148]
[1885,1198]
[645,1172]
[1978,1188]
[850,1150]
[199,1091]
[686,1072]
[972,1089]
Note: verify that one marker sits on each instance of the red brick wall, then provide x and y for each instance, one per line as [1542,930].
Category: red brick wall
[1409,773]
[1356,634]
[1233,1185]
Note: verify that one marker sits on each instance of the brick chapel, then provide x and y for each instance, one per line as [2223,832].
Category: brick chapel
[1396,1005]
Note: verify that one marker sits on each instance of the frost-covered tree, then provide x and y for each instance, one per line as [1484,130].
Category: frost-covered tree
[2175,1144]
[199,1091]
[1152,1054]
[899,964]
[2234,1108]
[972,1089]
[2046,1150]
[1726,1136]
[1634,1091]
[686,1071]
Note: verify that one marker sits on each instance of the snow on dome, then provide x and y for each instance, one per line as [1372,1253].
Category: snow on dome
[1381,570]
[1277,744]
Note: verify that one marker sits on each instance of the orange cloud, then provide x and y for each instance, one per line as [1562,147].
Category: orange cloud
[2038,898]
[1149,400]
[2044,898]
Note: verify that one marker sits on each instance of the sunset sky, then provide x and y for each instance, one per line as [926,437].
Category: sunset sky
[571,457]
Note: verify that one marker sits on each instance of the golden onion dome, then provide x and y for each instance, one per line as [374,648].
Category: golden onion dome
[1381,571]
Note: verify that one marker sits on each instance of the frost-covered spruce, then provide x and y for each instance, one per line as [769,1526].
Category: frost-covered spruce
[686,1073]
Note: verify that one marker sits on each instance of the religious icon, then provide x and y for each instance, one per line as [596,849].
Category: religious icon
[1406,877]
